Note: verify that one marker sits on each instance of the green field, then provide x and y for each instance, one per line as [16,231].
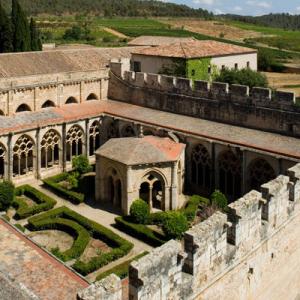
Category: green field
[279,38]
[131,27]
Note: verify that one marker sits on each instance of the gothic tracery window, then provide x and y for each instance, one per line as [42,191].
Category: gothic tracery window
[23,156]
[50,149]
[74,142]
[2,160]
[230,174]
[94,137]
[201,167]
[260,172]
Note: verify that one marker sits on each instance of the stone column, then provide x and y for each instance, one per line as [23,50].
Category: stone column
[10,154]
[174,193]
[38,153]
[64,147]
[87,138]
[150,197]
[128,192]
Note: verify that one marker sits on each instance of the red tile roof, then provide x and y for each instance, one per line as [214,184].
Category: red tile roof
[195,49]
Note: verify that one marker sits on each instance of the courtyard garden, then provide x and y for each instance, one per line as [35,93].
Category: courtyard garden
[157,228]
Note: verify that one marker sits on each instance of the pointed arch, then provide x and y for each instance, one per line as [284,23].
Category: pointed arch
[230,174]
[50,149]
[259,172]
[71,100]
[94,135]
[48,104]
[23,107]
[23,156]
[74,141]
[92,96]
[3,154]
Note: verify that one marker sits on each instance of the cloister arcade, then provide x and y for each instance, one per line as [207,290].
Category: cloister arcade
[209,165]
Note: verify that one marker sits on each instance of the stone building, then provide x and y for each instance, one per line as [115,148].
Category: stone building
[199,60]
[150,168]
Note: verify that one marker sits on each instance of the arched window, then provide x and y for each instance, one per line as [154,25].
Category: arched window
[201,165]
[230,174]
[71,100]
[2,160]
[92,96]
[50,149]
[74,142]
[128,131]
[23,152]
[111,131]
[152,190]
[22,108]
[48,104]
[94,137]
[260,172]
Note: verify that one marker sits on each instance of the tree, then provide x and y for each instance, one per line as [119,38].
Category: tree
[36,44]
[21,31]
[6,43]
[7,194]
[81,164]
[139,211]
[174,224]
[244,77]
[73,33]
[219,199]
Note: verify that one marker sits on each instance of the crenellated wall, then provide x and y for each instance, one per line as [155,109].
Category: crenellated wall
[258,108]
[251,252]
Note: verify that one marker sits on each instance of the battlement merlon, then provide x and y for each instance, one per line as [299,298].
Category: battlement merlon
[210,90]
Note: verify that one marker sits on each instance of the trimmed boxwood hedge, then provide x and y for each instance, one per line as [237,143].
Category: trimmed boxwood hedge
[43,202]
[53,184]
[80,234]
[192,206]
[140,231]
[122,269]
[120,246]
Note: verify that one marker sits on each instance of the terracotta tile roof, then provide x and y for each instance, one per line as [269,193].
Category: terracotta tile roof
[58,61]
[32,269]
[146,150]
[194,49]
[158,40]
[251,138]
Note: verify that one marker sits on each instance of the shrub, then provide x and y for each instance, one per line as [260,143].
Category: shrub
[43,202]
[7,194]
[120,270]
[192,206]
[53,184]
[175,224]
[81,164]
[120,246]
[73,181]
[244,77]
[219,199]
[80,234]
[140,231]
[20,227]
[139,211]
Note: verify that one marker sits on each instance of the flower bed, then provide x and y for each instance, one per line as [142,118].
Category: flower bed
[54,184]
[43,202]
[120,246]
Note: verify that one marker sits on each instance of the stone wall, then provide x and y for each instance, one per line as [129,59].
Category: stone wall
[252,252]
[34,91]
[236,104]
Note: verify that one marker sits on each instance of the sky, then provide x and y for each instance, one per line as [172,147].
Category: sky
[245,7]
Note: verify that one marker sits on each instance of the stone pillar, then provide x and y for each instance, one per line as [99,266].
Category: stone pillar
[10,154]
[64,147]
[60,90]
[128,191]
[38,153]
[87,138]
[174,190]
